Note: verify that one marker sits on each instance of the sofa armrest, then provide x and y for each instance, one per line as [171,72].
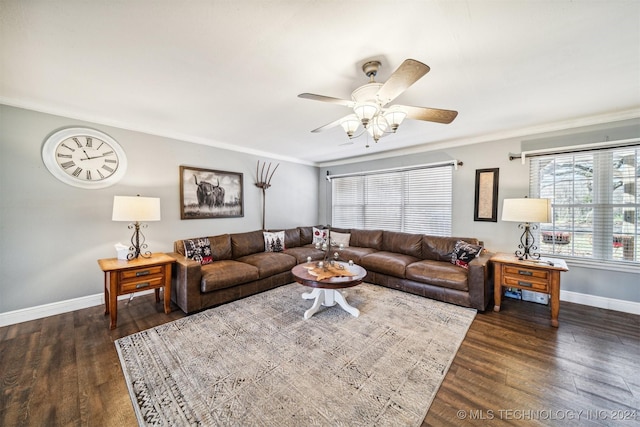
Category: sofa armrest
[186,279]
[481,280]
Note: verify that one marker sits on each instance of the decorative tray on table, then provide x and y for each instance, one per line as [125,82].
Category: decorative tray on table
[328,271]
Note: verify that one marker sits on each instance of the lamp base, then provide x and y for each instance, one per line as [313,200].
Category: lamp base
[137,243]
[527,248]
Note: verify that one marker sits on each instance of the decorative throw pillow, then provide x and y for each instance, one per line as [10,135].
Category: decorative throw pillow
[338,239]
[463,253]
[198,250]
[274,242]
[319,236]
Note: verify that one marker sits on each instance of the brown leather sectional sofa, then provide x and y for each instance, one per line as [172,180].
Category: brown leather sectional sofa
[414,263]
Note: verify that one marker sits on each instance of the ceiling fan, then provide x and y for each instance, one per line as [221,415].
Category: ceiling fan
[369,103]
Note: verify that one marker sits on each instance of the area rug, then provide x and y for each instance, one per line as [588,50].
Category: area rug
[257,362]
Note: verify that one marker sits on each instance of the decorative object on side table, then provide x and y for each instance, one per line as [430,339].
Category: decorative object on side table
[135,210]
[263,182]
[527,211]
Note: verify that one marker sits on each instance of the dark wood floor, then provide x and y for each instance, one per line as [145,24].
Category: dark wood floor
[512,368]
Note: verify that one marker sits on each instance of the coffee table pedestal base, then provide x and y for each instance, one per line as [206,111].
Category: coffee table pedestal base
[328,298]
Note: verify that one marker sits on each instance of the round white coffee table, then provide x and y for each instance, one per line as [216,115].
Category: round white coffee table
[326,292]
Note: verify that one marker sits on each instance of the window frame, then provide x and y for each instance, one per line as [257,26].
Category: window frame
[602,206]
[409,213]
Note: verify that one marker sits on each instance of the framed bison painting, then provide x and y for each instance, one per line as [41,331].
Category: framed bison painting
[207,193]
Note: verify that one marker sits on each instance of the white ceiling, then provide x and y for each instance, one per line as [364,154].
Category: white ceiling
[227,73]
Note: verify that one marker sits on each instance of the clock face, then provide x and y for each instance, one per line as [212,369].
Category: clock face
[84,158]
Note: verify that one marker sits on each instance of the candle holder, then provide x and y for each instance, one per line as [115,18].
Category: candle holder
[331,253]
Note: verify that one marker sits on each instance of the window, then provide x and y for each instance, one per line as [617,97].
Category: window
[413,201]
[596,203]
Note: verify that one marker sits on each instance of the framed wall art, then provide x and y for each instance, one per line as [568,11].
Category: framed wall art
[208,193]
[486,202]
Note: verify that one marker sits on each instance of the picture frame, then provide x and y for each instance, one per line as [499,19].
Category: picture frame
[486,197]
[210,193]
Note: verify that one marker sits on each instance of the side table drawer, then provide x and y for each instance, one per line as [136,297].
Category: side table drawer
[526,273]
[141,272]
[142,284]
[523,282]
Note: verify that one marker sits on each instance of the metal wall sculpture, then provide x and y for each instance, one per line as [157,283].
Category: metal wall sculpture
[263,181]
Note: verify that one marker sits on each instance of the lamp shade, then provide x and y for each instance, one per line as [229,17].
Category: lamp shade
[526,210]
[136,208]
[350,124]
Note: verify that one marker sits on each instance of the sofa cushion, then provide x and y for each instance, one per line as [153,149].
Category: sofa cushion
[198,250]
[306,235]
[389,263]
[320,235]
[221,247]
[440,248]
[269,263]
[438,273]
[463,253]
[338,238]
[355,254]
[225,274]
[248,243]
[340,230]
[274,241]
[292,238]
[402,243]
[366,239]
[302,253]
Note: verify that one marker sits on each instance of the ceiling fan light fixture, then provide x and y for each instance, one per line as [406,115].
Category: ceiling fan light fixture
[377,127]
[395,117]
[365,111]
[350,124]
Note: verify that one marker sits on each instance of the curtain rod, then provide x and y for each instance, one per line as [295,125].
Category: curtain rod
[454,163]
[579,148]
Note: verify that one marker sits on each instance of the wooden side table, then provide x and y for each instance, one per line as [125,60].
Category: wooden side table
[534,275]
[125,277]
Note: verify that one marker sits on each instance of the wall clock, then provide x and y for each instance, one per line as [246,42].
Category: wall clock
[84,158]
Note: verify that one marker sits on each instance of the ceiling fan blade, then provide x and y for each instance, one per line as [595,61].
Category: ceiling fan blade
[329,99]
[409,72]
[328,125]
[429,114]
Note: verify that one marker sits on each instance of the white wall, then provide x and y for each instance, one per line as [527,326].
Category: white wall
[51,234]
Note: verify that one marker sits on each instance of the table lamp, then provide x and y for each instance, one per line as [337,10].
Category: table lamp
[527,211]
[135,210]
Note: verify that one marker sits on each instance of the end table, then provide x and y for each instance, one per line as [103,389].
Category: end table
[541,275]
[129,276]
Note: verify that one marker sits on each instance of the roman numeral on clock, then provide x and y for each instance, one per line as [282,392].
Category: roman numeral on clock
[89,142]
[107,168]
[88,175]
[77,171]
[67,165]
[77,141]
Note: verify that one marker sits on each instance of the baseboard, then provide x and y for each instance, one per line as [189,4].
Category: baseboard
[38,312]
[46,310]
[601,302]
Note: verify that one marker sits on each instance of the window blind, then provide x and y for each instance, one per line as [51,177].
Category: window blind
[595,201]
[413,201]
